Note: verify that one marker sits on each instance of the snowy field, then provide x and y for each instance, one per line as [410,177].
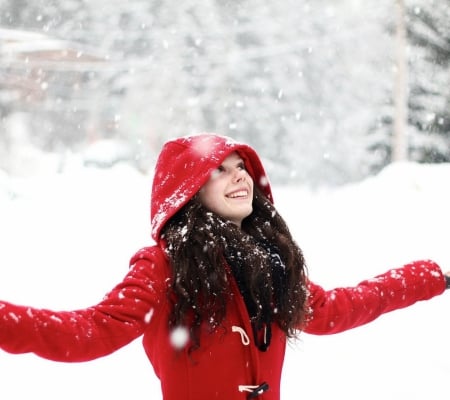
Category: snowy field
[66,240]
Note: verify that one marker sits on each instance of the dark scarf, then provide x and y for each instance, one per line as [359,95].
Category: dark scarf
[261,324]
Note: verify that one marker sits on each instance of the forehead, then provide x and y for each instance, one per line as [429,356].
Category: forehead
[232,158]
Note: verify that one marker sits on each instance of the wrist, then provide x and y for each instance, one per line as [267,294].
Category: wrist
[447,281]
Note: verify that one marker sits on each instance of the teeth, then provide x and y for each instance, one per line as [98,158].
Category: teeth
[241,193]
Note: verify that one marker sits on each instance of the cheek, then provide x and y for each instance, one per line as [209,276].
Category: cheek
[202,195]
[207,195]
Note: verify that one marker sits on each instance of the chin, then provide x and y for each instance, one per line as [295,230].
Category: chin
[248,213]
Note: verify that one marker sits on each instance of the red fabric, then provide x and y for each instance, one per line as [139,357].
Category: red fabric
[138,305]
[186,163]
[341,309]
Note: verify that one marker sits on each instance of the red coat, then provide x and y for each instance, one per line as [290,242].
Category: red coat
[227,364]
[224,361]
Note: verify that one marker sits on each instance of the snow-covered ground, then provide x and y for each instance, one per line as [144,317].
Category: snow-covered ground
[66,240]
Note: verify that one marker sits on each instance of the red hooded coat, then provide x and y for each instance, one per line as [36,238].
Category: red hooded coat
[227,365]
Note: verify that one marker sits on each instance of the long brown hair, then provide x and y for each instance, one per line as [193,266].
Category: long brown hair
[198,242]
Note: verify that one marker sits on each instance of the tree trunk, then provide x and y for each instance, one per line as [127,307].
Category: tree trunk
[400,141]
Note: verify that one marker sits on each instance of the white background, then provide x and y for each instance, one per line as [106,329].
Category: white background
[66,240]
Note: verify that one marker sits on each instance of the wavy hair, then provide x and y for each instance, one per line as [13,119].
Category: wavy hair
[199,244]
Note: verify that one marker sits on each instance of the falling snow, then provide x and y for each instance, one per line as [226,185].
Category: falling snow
[179,337]
[67,239]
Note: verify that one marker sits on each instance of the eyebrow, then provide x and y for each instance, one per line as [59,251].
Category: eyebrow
[235,163]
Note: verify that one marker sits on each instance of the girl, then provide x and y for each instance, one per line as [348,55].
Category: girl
[221,290]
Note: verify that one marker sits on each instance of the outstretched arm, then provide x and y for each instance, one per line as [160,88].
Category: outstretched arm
[340,309]
[89,333]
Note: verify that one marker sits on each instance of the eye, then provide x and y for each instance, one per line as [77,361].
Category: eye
[241,166]
[220,168]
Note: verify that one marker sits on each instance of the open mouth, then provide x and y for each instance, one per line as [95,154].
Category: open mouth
[238,194]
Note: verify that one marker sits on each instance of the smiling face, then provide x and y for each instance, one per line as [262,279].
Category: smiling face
[229,190]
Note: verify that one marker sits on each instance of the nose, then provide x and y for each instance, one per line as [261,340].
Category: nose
[239,175]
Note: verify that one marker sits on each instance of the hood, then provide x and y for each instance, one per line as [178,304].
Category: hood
[186,163]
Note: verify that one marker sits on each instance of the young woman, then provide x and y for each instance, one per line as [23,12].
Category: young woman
[221,291]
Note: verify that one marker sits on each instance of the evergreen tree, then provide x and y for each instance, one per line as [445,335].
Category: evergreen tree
[429,32]
[304,81]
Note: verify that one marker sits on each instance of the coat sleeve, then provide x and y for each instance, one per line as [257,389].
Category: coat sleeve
[337,310]
[89,333]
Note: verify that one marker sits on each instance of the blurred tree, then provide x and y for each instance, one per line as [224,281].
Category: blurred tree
[304,81]
[400,141]
[429,32]
[427,51]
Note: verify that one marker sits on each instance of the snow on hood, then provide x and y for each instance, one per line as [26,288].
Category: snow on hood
[186,163]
